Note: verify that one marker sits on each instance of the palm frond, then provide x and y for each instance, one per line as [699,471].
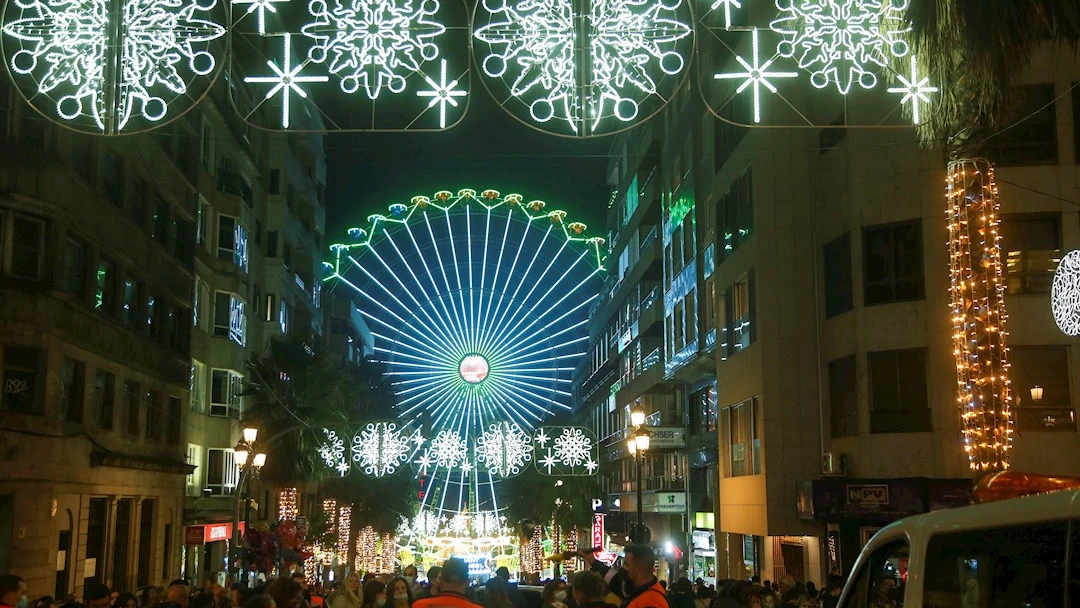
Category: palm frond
[974,50]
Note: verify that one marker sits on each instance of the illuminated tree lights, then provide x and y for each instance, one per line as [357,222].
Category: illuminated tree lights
[287,508]
[841,41]
[98,75]
[538,50]
[977,293]
[478,303]
[1065,294]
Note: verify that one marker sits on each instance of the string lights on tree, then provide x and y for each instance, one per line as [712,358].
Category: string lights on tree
[366,549]
[344,532]
[979,317]
[287,508]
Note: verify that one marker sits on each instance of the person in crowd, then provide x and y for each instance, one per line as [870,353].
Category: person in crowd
[833,586]
[643,590]
[882,595]
[453,582]
[97,596]
[287,593]
[398,592]
[202,600]
[178,593]
[349,596]
[805,601]
[497,595]
[589,590]
[432,587]
[410,577]
[681,594]
[374,594]
[555,594]
[260,601]
[126,600]
[45,601]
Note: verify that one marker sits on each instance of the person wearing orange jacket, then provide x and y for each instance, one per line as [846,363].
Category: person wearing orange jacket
[635,583]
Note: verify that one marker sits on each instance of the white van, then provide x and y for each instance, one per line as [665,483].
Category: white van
[1017,553]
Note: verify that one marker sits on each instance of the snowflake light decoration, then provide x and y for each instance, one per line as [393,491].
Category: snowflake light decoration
[755,74]
[504,449]
[442,93]
[573,451]
[373,44]
[100,67]
[1065,294]
[287,80]
[332,451]
[842,41]
[630,46]
[459,524]
[380,448]
[488,523]
[446,451]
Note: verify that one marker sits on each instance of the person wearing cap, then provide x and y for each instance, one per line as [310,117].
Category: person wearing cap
[641,589]
[453,582]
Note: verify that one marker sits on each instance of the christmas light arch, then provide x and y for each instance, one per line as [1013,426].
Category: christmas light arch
[478,303]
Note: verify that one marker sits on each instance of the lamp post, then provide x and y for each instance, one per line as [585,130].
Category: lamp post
[638,444]
[247,465]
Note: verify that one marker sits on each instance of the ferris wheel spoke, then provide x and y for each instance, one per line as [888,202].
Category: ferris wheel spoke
[540,378]
[538,308]
[448,319]
[449,294]
[419,346]
[539,350]
[493,314]
[441,351]
[457,277]
[433,394]
[483,274]
[538,336]
[517,381]
[446,333]
[525,307]
[509,412]
[518,391]
[513,299]
[518,339]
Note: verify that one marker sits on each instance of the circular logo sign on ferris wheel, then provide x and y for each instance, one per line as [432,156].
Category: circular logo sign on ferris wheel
[473,369]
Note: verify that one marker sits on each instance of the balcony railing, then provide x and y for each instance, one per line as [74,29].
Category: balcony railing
[231,182]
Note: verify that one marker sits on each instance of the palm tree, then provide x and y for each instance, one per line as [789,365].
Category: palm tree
[974,50]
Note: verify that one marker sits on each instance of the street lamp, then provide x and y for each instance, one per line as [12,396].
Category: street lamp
[638,444]
[247,465]
[1036,394]
[637,416]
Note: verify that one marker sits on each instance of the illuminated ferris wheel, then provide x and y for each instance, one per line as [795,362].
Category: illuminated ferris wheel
[478,303]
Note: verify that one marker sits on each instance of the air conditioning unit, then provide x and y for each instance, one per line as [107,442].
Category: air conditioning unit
[832,464]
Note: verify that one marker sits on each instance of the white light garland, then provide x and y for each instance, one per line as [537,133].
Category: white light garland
[87,68]
[915,90]
[573,451]
[287,80]
[446,451]
[380,448]
[1065,294]
[442,93]
[842,41]
[504,449]
[332,452]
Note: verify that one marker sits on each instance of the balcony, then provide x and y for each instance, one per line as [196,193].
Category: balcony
[649,267]
[231,182]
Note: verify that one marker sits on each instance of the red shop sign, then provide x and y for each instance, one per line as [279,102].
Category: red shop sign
[209,533]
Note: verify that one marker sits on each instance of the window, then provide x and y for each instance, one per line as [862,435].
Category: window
[269,310]
[230,317]
[741,438]
[138,201]
[221,472]
[202,216]
[129,308]
[131,402]
[104,399]
[105,287]
[1032,248]
[271,243]
[192,458]
[73,277]
[152,405]
[736,214]
[1032,141]
[183,247]
[206,149]
[839,297]
[1017,566]
[898,393]
[23,380]
[232,241]
[202,299]
[173,419]
[703,410]
[893,263]
[843,398]
[875,584]
[283,317]
[153,321]
[740,309]
[72,389]
[26,239]
[275,181]
[225,387]
[1045,367]
[726,133]
[112,177]
[197,386]
[159,219]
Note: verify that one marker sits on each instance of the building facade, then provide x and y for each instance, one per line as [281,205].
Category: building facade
[785,291]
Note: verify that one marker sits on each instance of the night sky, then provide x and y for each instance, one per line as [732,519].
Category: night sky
[488,149]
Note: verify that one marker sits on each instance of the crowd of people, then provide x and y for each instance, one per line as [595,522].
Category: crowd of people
[631,585]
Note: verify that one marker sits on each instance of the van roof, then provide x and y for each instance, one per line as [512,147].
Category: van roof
[1035,508]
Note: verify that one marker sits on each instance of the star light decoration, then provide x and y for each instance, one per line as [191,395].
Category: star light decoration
[915,90]
[261,6]
[755,74]
[728,5]
[1065,294]
[373,44]
[287,80]
[573,451]
[533,47]
[504,449]
[90,60]
[442,93]
[380,448]
[842,41]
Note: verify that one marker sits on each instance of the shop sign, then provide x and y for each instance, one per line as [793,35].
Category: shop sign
[868,494]
[598,530]
[209,533]
[878,500]
[664,437]
[703,539]
[664,502]
[478,564]
[832,546]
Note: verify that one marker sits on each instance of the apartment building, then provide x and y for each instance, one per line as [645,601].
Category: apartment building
[260,223]
[808,266]
[96,275]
